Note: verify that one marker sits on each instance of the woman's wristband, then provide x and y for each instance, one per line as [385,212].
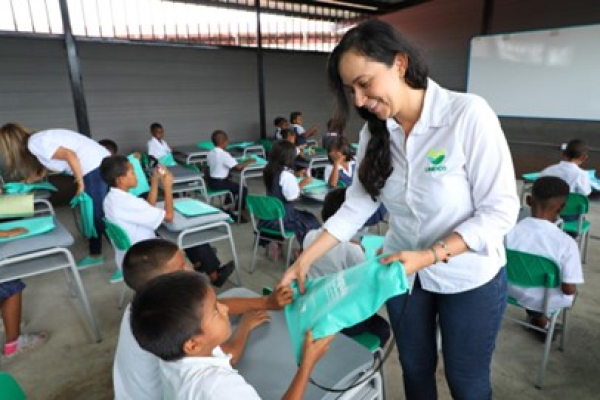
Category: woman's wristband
[435,257]
[446,249]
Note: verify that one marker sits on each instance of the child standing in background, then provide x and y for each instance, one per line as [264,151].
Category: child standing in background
[297,119]
[280,123]
[570,170]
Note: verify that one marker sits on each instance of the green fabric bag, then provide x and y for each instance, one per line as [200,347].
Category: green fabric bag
[258,160]
[239,145]
[86,214]
[193,208]
[34,226]
[16,205]
[337,301]
[168,160]
[315,184]
[207,145]
[142,181]
[371,244]
[23,188]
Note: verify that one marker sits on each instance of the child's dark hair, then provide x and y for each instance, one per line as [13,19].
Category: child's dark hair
[282,155]
[145,260]
[218,136]
[112,168]
[166,313]
[110,145]
[154,126]
[277,121]
[286,133]
[341,144]
[294,115]
[575,149]
[548,188]
[333,202]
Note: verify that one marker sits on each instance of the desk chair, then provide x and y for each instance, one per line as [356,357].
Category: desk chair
[120,240]
[529,270]
[207,193]
[268,208]
[10,388]
[578,204]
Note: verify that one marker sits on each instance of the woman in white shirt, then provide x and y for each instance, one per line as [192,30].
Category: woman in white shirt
[440,163]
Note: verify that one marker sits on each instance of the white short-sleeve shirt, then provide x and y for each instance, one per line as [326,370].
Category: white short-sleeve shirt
[541,237]
[298,129]
[44,144]
[577,179]
[134,215]
[136,372]
[289,185]
[204,378]
[342,256]
[454,173]
[329,170]
[158,148]
[220,163]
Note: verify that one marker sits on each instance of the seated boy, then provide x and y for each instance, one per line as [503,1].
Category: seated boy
[343,256]
[140,218]
[189,332]
[297,119]
[136,373]
[220,162]
[539,235]
[157,146]
[570,169]
[279,123]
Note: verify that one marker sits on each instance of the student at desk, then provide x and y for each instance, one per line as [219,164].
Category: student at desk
[289,136]
[570,170]
[140,218]
[297,119]
[158,147]
[189,332]
[16,343]
[136,372]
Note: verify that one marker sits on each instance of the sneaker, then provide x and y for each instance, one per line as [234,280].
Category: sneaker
[223,273]
[89,261]
[28,342]
[273,251]
[116,277]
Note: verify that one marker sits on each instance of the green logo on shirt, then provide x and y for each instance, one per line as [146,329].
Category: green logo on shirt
[436,157]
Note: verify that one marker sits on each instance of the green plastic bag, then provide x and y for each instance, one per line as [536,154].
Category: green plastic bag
[34,226]
[168,160]
[372,244]
[86,214]
[24,188]
[142,181]
[314,184]
[257,159]
[337,301]
[206,145]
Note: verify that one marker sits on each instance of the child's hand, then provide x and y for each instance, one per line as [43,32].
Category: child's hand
[305,181]
[313,350]
[252,319]
[137,155]
[167,178]
[251,160]
[281,297]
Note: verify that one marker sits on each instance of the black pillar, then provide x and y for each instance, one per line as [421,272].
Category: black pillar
[261,80]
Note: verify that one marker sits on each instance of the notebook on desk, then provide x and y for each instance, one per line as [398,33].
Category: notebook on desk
[194,208]
[16,205]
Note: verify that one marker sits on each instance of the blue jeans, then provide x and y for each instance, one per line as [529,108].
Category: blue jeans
[97,189]
[469,323]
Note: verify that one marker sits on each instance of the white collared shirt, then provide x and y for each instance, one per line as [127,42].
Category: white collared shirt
[342,256]
[44,144]
[134,215]
[158,148]
[220,163]
[348,172]
[298,129]
[289,185]
[541,237]
[454,173]
[136,372]
[204,378]
[577,179]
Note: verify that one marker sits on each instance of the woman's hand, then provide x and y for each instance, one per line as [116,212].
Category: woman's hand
[80,186]
[281,297]
[412,261]
[297,272]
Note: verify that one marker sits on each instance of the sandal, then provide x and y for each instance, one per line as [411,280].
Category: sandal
[223,273]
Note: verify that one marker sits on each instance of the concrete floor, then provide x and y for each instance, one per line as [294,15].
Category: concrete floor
[72,366]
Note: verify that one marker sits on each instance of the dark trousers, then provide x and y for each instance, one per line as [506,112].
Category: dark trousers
[226,184]
[469,322]
[96,188]
[203,258]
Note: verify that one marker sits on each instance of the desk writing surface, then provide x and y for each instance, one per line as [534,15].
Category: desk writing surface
[269,365]
[180,222]
[182,174]
[59,237]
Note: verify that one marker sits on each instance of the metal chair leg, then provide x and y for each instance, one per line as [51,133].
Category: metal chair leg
[547,345]
[289,254]
[84,299]
[563,335]
[234,254]
[254,252]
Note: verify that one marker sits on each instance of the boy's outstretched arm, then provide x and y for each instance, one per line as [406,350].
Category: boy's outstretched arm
[281,296]
[237,342]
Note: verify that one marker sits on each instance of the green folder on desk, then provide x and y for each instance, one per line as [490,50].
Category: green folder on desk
[239,145]
[34,226]
[194,208]
[315,184]
[206,145]
[168,160]
[16,205]
[23,188]
[258,160]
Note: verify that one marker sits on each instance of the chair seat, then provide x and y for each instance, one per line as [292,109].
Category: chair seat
[368,340]
[571,226]
[276,232]
[211,192]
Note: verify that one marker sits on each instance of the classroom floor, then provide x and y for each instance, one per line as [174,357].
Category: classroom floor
[72,366]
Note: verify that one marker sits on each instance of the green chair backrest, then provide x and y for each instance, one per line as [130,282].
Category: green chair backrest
[576,204]
[530,270]
[265,207]
[267,144]
[10,388]
[117,235]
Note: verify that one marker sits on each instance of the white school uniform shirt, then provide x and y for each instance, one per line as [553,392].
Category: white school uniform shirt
[298,129]
[136,372]
[349,171]
[204,378]
[289,185]
[277,134]
[541,237]
[44,144]
[220,163]
[454,173]
[577,179]
[342,256]
[158,148]
[134,215]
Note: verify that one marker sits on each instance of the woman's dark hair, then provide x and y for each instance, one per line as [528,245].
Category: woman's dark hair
[380,42]
[167,312]
[333,202]
[575,149]
[341,144]
[112,168]
[282,155]
[109,145]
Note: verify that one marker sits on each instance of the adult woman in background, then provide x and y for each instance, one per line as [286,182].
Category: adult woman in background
[439,161]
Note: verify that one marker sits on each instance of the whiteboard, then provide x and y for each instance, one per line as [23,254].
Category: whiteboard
[545,74]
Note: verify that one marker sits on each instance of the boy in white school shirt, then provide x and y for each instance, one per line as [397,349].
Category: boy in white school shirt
[136,372]
[569,170]
[140,218]
[189,332]
[220,163]
[157,146]
[539,235]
